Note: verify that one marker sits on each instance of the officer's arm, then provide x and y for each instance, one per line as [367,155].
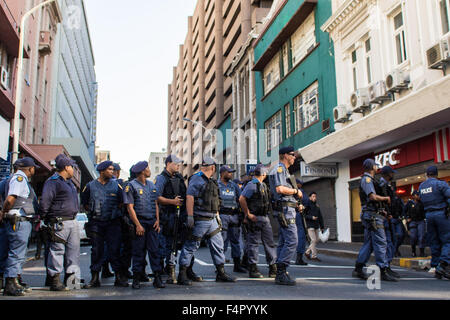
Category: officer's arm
[9,203]
[84,197]
[375,197]
[190,205]
[132,213]
[243,203]
[286,191]
[48,194]
[445,189]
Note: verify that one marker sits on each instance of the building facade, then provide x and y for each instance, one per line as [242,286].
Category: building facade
[296,89]
[157,162]
[393,97]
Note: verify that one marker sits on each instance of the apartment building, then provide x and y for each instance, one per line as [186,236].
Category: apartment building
[393,101]
[157,163]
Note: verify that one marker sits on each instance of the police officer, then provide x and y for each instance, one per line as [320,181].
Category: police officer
[415,216]
[229,194]
[392,222]
[101,199]
[283,188]
[19,209]
[141,200]
[202,205]
[255,202]
[299,221]
[59,207]
[373,223]
[435,196]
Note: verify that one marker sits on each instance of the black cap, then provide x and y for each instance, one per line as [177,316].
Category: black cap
[104,165]
[139,167]
[63,161]
[368,164]
[116,167]
[227,169]
[299,181]
[259,170]
[173,158]
[286,150]
[387,170]
[432,171]
[25,163]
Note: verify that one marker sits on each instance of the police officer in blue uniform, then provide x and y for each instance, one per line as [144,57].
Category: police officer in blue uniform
[229,194]
[59,207]
[373,222]
[435,196]
[141,200]
[415,217]
[202,205]
[101,198]
[255,202]
[19,209]
[299,221]
[283,188]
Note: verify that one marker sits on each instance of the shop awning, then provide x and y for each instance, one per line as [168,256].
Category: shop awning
[441,139]
[45,166]
[412,116]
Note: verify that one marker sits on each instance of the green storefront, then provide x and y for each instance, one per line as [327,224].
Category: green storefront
[296,87]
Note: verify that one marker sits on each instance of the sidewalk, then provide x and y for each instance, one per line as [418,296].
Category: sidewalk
[351,250]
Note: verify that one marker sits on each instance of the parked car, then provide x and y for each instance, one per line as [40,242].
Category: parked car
[82,219]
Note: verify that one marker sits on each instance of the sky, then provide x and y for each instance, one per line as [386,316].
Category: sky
[136,45]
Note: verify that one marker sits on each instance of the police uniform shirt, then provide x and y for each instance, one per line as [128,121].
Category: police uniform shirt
[250,188]
[161,184]
[229,190]
[131,194]
[434,194]
[280,177]
[368,188]
[196,183]
[59,197]
[18,186]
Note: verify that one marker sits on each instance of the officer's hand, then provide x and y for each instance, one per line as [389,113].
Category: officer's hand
[315,218]
[156,226]
[299,194]
[190,221]
[301,207]
[409,220]
[388,199]
[178,201]
[140,230]
[389,217]
[252,217]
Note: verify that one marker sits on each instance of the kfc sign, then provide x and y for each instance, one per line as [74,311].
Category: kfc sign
[387,158]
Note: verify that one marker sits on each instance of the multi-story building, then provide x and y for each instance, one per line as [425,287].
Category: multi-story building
[157,162]
[200,91]
[296,88]
[75,89]
[393,97]
[102,155]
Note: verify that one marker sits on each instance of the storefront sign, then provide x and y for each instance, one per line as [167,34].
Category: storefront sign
[323,170]
[387,158]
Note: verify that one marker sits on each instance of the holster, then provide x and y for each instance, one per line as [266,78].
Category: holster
[51,234]
[282,220]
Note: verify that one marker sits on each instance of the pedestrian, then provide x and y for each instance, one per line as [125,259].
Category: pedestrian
[229,194]
[301,229]
[415,215]
[202,205]
[18,210]
[141,200]
[285,194]
[435,196]
[255,202]
[314,222]
[59,207]
[102,198]
[171,197]
[373,223]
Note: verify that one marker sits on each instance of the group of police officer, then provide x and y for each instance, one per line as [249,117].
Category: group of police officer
[133,219]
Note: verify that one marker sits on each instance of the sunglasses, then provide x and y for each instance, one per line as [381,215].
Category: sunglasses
[291,154]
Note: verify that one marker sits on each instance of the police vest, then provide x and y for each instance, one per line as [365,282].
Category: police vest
[144,199]
[28,205]
[228,196]
[259,202]
[370,205]
[415,211]
[208,199]
[104,200]
[430,195]
[173,187]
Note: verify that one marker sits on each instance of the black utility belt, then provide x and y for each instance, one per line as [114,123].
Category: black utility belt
[146,218]
[18,218]
[229,212]
[374,214]
[202,218]
[59,219]
[288,204]
[261,215]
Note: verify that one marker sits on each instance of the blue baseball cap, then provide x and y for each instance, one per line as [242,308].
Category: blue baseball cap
[173,158]
[368,164]
[286,150]
[259,170]
[227,169]
[432,171]
[104,165]
[139,167]
[299,181]
[116,167]
[387,170]
[26,162]
[208,161]
[63,161]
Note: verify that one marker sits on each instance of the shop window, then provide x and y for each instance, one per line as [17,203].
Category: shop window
[306,108]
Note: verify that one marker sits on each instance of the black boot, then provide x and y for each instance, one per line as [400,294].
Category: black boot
[136,281]
[48,280]
[422,252]
[157,282]
[299,261]
[413,251]
[183,279]
[244,262]
[282,277]
[385,276]
[253,271]
[161,262]
[2,282]
[238,267]
[22,284]
[56,284]
[12,288]
[359,272]
[106,273]
[143,277]
[121,280]
[442,270]
[95,281]
[392,273]
[222,276]
[171,272]
[272,271]
[191,274]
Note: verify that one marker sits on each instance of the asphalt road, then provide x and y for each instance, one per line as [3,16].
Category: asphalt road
[329,279]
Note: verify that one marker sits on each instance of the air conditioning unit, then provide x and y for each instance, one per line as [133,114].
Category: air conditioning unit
[397,80]
[439,54]
[341,114]
[45,42]
[359,100]
[4,78]
[378,93]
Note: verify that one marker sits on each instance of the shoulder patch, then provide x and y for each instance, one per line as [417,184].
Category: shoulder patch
[127,188]
[280,169]
[20,178]
[368,180]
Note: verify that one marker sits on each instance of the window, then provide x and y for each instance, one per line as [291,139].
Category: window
[444,6]
[157,160]
[355,69]
[272,74]
[304,39]
[306,108]
[400,39]
[368,48]
[287,115]
[274,123]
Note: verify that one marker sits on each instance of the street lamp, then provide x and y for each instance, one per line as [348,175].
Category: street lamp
[195,122]
[19,80]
